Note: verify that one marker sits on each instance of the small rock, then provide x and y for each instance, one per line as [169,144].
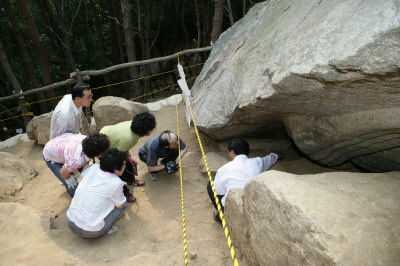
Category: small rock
[193,255]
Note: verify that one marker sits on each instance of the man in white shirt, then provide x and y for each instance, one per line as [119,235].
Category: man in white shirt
[99,200]
[66,115]
[238,172]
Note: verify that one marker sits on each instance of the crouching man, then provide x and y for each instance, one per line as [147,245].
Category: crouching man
[238,172]
[164,146]
[99,199]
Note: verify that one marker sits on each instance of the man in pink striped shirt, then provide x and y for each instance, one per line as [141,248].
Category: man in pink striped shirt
[69,152]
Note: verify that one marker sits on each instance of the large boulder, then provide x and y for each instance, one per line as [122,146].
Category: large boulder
[325,219]
[314,67]
[14,174]
[110,110]
[39,127]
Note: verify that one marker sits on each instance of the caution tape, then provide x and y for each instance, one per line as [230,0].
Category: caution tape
[182,193]
[220,213]
[25,114]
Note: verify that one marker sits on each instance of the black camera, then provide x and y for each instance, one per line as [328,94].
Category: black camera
[171,167]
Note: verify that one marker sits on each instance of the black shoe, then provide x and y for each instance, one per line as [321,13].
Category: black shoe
[216,217]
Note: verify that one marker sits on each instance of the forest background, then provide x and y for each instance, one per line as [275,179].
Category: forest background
[43,41]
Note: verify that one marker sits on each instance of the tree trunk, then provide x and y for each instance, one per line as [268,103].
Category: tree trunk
[244,8]
[43,59]
[117,42]
[101,48]
[217,20]
[53,31]
[230,12]
[130,45]
[14,82]
[26,57]
[65,40]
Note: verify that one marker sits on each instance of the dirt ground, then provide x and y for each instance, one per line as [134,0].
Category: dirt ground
[34,231]
[149,234]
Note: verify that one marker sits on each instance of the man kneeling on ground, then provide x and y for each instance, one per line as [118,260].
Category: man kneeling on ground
[238,172]
[99,200]
[164,146]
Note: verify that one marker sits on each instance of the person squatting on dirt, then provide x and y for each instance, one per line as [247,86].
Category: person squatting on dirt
[69,152]
[124,136]
[66,115]
[238,172]
[164,146]
[99,200]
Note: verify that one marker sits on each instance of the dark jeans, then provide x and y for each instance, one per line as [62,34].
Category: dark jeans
[55,168]
[172,154]
[211,195]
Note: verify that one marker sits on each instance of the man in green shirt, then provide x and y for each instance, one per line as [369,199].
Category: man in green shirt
[124,136]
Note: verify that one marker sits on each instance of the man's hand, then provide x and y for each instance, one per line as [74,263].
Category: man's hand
[71,182]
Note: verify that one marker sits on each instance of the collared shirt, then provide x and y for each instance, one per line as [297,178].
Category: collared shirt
[238,172]
[154,150]
[65,117]
[121,136]
[66,149]
[96,196]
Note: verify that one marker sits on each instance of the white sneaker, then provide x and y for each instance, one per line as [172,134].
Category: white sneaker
[112,230]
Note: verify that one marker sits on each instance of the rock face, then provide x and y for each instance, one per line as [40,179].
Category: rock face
[329,71]
[110,110]
[15,172]
[325,219]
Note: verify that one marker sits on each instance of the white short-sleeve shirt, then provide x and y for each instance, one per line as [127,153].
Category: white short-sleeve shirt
[96,196]
[238,172]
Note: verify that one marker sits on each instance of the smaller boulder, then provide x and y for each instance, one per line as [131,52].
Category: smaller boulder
[110,110]
[39,128]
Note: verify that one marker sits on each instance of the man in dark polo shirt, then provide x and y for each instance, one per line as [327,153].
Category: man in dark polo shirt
[164,146]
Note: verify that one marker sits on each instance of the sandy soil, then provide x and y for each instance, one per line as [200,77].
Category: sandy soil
[149,234]
[34,231]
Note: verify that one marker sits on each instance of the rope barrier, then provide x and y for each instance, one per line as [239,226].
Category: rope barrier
[182,193]
[25,114]
[221,214]
[109,85]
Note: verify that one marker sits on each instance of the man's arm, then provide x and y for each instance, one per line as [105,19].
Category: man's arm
[183,152]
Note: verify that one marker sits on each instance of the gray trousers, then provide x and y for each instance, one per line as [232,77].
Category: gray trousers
[110,219]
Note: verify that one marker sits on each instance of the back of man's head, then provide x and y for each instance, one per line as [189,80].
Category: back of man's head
[95,144]
[112,159]
[165,138]
[77,90]
[239,146]
[143,123]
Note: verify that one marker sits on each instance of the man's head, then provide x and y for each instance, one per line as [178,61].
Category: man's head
[237,147]
[168,140]
[95,144]
[82,95]
[143,124]
[113,161]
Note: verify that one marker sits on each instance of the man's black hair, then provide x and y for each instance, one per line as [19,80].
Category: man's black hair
[239,146]
[142,123]
[112,159]
[164,138]
[77,90]
[95,144]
